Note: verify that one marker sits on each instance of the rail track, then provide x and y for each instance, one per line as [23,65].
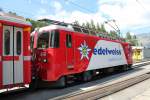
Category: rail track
[58,94]
[144,63]
[97,92]
[104,90]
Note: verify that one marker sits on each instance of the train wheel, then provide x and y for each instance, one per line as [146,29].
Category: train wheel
[33,85]
[61,83]
[125,68]
[86,76]
[130,66]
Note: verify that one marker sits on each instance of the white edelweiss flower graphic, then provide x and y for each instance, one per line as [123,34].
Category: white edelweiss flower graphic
[84,50]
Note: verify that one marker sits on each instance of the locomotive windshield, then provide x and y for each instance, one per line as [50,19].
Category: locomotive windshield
[54,39]
[31,41]
[43,40]
[48,39]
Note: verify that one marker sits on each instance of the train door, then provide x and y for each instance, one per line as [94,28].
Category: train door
[12,55]
[69,51]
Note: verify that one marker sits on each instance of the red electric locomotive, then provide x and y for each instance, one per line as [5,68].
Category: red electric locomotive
[65,51]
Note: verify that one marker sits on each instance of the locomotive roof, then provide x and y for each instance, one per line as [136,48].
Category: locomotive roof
[51,27]
[69,28]
[75,28]
[13,18]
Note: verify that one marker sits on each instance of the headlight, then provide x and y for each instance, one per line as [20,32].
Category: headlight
[44,60]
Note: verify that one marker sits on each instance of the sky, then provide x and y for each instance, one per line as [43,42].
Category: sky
[130,15]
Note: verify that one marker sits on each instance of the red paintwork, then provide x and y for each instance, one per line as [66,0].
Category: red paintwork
[128,52]
[14,24]
[26,52]
[12,85]
[8,58]
[62,63]
[1,35]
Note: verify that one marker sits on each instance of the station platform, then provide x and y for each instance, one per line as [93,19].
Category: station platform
[139,91]
[143,96]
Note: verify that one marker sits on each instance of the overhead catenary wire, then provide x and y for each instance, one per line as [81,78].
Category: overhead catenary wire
[139,2]
[20,12]
[79,6]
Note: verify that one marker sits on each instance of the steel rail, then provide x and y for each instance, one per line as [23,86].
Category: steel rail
[101,91]
[140,64]
[104,90]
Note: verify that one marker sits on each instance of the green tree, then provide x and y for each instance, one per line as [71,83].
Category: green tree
[13,13]
[87,25]
[103,28]
[83,24]
[132,39]
[76,23]
[98,28]
[92,25]
[113,34]
[36,24]
[141,44]
[128,36]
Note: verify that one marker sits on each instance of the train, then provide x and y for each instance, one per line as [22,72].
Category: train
[56,54]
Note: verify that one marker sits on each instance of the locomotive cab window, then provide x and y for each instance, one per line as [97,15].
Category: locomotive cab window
[54,39]
[31,41]
[43,40]
[68,41]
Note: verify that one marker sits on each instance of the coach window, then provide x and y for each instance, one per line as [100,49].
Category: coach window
[7,42]
[18,42]
[68,41]
[54,39]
